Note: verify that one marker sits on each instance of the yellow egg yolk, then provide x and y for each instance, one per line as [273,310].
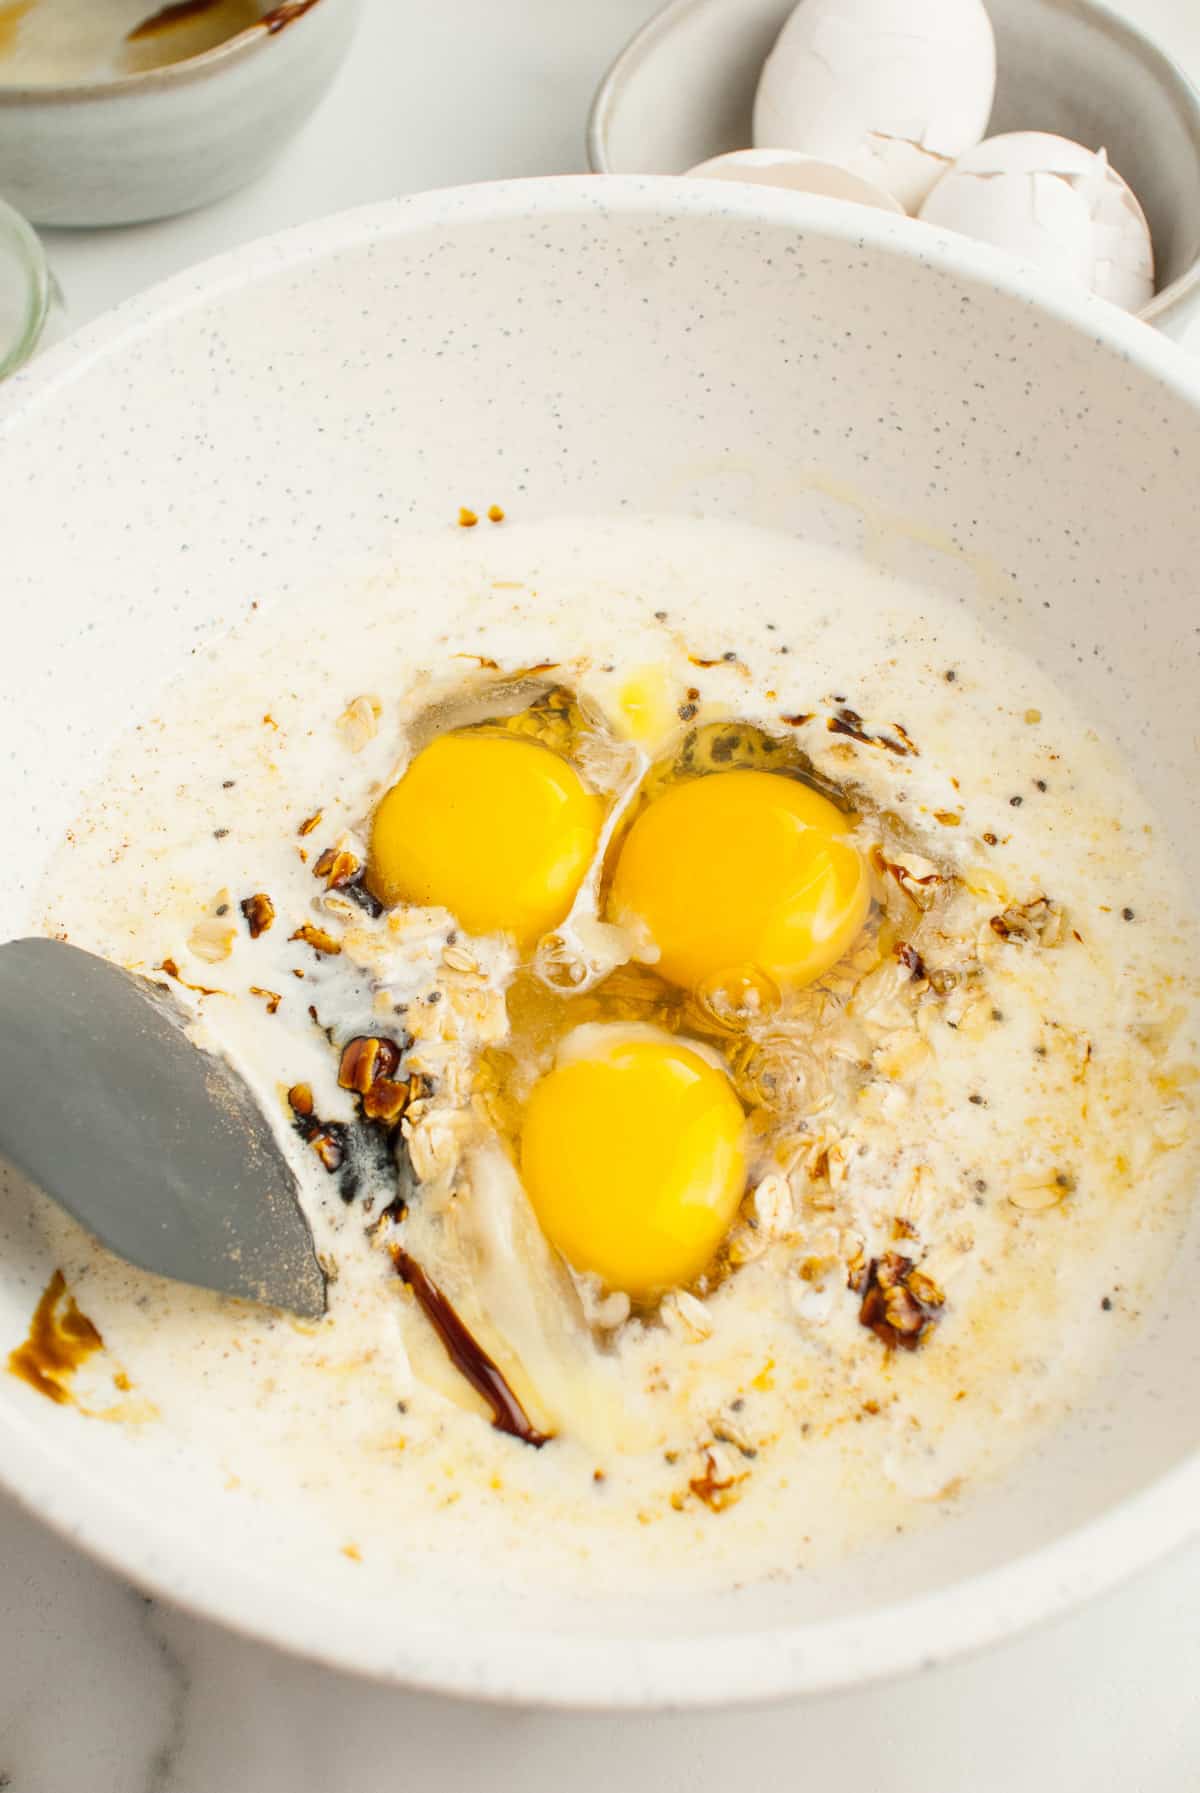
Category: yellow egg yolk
[632,1157]
[738,874]
[494,827]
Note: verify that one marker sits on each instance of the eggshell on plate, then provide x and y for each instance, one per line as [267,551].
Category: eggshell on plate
[798,173]
[893,90]
[1055,203]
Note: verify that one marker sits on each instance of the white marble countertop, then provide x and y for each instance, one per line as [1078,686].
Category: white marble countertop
[102,1690]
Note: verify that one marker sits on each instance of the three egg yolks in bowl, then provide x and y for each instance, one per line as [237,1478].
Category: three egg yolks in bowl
[632,1144]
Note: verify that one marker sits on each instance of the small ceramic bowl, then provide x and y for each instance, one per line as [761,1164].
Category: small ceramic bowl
[30,305]
[683,91]
[150,143]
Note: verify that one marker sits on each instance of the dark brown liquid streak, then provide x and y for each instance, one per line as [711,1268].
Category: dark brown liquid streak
[467,1354]
[60,1339]
[849,722]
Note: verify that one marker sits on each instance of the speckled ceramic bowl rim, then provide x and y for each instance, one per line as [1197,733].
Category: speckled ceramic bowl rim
[1176,296]
[208,64]
[512,1663]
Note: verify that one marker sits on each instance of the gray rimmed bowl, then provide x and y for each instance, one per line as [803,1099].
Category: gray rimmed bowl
[166,140]
[683,90]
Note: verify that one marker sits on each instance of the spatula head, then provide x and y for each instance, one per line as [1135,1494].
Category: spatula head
[156,1146]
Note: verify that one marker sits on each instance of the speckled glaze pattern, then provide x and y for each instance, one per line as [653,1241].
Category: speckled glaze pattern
[683,90]
[168,140]
[293,411]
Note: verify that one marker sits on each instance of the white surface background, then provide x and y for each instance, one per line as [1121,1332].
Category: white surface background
[101,1690]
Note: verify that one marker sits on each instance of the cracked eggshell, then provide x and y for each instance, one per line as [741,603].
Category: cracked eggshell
[798,173]
[893,90]
[1053,203]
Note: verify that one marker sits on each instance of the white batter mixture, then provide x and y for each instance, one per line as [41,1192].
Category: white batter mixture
[992,1089]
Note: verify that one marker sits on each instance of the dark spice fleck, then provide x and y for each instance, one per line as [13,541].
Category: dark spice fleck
[222,909]
[950,675]
[729,656]
[1106,1304]
[366,899]
[1127,915]
[686,712]
[220,833]
[227,784]
[997,1014]
[1016,802]
[977,1100]
[990,839]
[660,616]
[434,996]
[910,957]
[1040,784]
[980,1186]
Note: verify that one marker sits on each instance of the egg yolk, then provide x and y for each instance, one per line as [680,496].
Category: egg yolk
[632,1157]
[738,874]
[496,828]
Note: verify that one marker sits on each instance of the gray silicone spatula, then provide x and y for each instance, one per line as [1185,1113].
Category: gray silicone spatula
[157,1147]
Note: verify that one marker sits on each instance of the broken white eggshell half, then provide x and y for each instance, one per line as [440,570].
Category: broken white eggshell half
[798,173]
[893,90]
[1053,203]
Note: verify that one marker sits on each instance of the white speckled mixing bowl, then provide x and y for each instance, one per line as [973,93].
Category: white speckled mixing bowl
[683,90]
[297,408]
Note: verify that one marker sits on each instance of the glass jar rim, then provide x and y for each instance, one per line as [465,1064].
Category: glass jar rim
[31,258]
